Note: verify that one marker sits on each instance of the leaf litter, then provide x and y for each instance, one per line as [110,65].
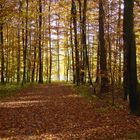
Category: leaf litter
[58,112]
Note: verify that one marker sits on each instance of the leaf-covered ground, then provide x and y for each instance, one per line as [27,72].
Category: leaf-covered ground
[57,112]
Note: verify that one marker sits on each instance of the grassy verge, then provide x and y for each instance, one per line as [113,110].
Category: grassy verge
[133,136]
[85,92]
[8,90]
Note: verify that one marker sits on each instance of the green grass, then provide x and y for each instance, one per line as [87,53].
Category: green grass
[133,136]
[85,92]
[8,90]
[102,110]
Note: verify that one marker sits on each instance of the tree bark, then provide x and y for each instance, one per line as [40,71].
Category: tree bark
[50,46]
[19,50]
[2,53]
[25,46]
[40,44]
[130,57]
[72,49]
[74,14]
[103,55]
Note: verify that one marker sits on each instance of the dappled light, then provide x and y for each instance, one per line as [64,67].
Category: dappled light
[18,104]
[71,96]
[59,112]
[69,69]
[27,101]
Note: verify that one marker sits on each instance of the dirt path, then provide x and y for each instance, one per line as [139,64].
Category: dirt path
[56,112]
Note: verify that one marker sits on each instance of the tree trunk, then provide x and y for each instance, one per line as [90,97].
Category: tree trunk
[2,53]
[19,51]
[25,46]
[72,49]
[40,44]
[130,56]
[103,55]
[50,46]
[98,65]
[58,48]
[74,14]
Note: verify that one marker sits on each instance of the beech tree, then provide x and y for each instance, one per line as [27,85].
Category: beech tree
[130,76]
[40,44]
[25,46]
[1,46]
[103,55]
[74,15]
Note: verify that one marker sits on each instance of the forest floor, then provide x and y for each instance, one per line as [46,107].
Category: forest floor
[59,112]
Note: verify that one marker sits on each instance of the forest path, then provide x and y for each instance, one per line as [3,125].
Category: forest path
[57,112]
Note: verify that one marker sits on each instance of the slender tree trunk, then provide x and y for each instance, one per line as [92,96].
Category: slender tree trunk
[7,56]
[19,51]
[40,44]
[2,48]
[98,65]
[74,14]
[119,43]
[81,45]
[18,57]
[50,46]
[68,65]
[72,48]
[47,62]
[37,70]
[34,64]
[109,40]
[80,24]
[84,43]
[58,48]
[25,47]
[35,53]
[2,53]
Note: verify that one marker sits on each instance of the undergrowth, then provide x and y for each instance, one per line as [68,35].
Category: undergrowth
[86,92]
[8,90]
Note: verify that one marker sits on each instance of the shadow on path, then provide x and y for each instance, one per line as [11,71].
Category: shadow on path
[54,112]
